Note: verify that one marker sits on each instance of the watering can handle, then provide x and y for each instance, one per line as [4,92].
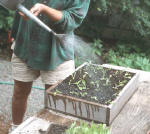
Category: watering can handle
[34,18]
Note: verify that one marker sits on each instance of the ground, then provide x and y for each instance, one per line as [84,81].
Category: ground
[35,102]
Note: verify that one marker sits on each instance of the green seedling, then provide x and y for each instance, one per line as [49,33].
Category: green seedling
[116,72]
[127,75]
[57,92]
[75,93]
[92,82]
[86,128]
[83,94]
[121,83]
[107,82]
[94,98]
[108,102]
[85,74]
[96,83]
[97,89]
[81,84]
[102,78]
[73,75]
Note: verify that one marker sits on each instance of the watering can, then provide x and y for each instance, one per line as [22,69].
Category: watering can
[16,4]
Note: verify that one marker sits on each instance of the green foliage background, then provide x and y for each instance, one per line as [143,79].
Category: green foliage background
[123,17]
[129,55]
[6,19]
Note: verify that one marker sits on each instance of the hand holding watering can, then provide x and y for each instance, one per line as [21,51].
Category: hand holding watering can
[32,14]
[36,10]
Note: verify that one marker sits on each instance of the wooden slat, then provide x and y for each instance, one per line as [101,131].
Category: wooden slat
[135,116]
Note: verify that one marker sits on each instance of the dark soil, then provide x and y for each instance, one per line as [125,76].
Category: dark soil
[94,83]
[57,129]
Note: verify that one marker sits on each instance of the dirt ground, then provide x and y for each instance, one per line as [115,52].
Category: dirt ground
[57,118]
[4,125]
[35,101]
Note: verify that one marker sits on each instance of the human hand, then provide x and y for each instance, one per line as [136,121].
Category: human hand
[36,10]
[23,15]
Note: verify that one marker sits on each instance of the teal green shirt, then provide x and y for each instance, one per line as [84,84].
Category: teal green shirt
[40,49]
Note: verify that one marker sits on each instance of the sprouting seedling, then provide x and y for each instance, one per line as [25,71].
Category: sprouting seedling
[121,83]
[127,75]
[103,74]
[97,83]
[72,78]
[73,92]
[81,84]
[103,78]
[97,89]
[94,98]
[85,74]
[73,75]
[108,102]
[70,82]
[83,94]
[92,82]
[107,81]
[77,82]
[57,92]
[116,72]
[115,87]
[94,69]
[115,94]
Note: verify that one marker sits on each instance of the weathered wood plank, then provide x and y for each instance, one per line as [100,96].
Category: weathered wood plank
[135,116]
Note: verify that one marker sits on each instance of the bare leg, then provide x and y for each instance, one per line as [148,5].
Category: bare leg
[19,100]
[46,96]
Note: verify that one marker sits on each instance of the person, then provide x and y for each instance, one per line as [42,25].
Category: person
[37,52]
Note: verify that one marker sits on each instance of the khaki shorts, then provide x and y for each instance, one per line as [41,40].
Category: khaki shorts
[22,72]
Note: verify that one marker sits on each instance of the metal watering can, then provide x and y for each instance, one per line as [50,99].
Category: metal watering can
[16,4]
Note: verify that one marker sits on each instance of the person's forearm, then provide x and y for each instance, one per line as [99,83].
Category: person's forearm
[53,14]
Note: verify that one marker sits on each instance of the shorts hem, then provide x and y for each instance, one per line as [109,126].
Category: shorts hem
[24,80]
